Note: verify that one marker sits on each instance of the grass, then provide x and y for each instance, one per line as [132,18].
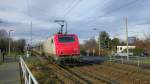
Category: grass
[146,61]
[32,64]
[0,63]
[42,74]
[134,59]
[14,53]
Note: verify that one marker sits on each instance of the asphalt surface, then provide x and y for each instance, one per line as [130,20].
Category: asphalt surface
[94,59]
[9,72]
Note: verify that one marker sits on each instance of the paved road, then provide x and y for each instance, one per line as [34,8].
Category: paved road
[9,72]
[94,59]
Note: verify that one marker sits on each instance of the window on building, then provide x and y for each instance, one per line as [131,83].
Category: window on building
[120,48]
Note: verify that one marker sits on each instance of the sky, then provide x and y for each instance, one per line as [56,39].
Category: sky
[81,15]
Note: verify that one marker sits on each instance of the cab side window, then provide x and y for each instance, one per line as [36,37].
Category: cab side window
[51,40]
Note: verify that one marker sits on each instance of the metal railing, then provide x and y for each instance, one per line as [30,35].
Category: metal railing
[0,56]
[26,73]
[134,60]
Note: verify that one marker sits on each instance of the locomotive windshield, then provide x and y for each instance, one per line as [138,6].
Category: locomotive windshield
[66,39]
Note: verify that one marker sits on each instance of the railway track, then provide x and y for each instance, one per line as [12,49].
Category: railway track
[67,76]
[74,76]
[105,73]
[124,75]
[135,73]
[95,78]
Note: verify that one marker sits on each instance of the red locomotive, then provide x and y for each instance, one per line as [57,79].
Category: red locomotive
[61,46]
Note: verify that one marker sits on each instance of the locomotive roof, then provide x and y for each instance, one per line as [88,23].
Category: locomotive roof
[64,34]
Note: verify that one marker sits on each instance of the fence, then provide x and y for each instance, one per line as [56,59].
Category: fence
[135,60]
[0,56]
[26,73]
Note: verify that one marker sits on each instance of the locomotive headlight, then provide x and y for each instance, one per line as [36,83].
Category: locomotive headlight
[75,51]
[60,52]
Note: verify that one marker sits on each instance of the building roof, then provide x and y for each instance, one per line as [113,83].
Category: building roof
[125,45]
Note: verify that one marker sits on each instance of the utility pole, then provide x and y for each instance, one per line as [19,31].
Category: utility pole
[9,40]
[88,52]
[93,52]
[30,47]
[40,45]
[126,24]
[0,56]
[99,42]
[31,33]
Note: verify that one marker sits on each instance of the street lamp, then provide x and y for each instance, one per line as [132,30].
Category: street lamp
[9,40]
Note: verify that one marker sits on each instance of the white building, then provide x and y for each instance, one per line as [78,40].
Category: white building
[121,48]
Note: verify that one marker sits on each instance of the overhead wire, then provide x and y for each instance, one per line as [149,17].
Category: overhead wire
[109,12]
[28,7]
[71,8]
[116,9]
[122,6]
[75,4]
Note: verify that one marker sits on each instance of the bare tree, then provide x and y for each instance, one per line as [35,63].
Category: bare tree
[3,33]
[17,45]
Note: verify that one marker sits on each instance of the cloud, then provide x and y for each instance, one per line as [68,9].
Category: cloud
[82,16]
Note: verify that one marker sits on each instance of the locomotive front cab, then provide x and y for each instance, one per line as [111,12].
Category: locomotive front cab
[66,39]
[67,45]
